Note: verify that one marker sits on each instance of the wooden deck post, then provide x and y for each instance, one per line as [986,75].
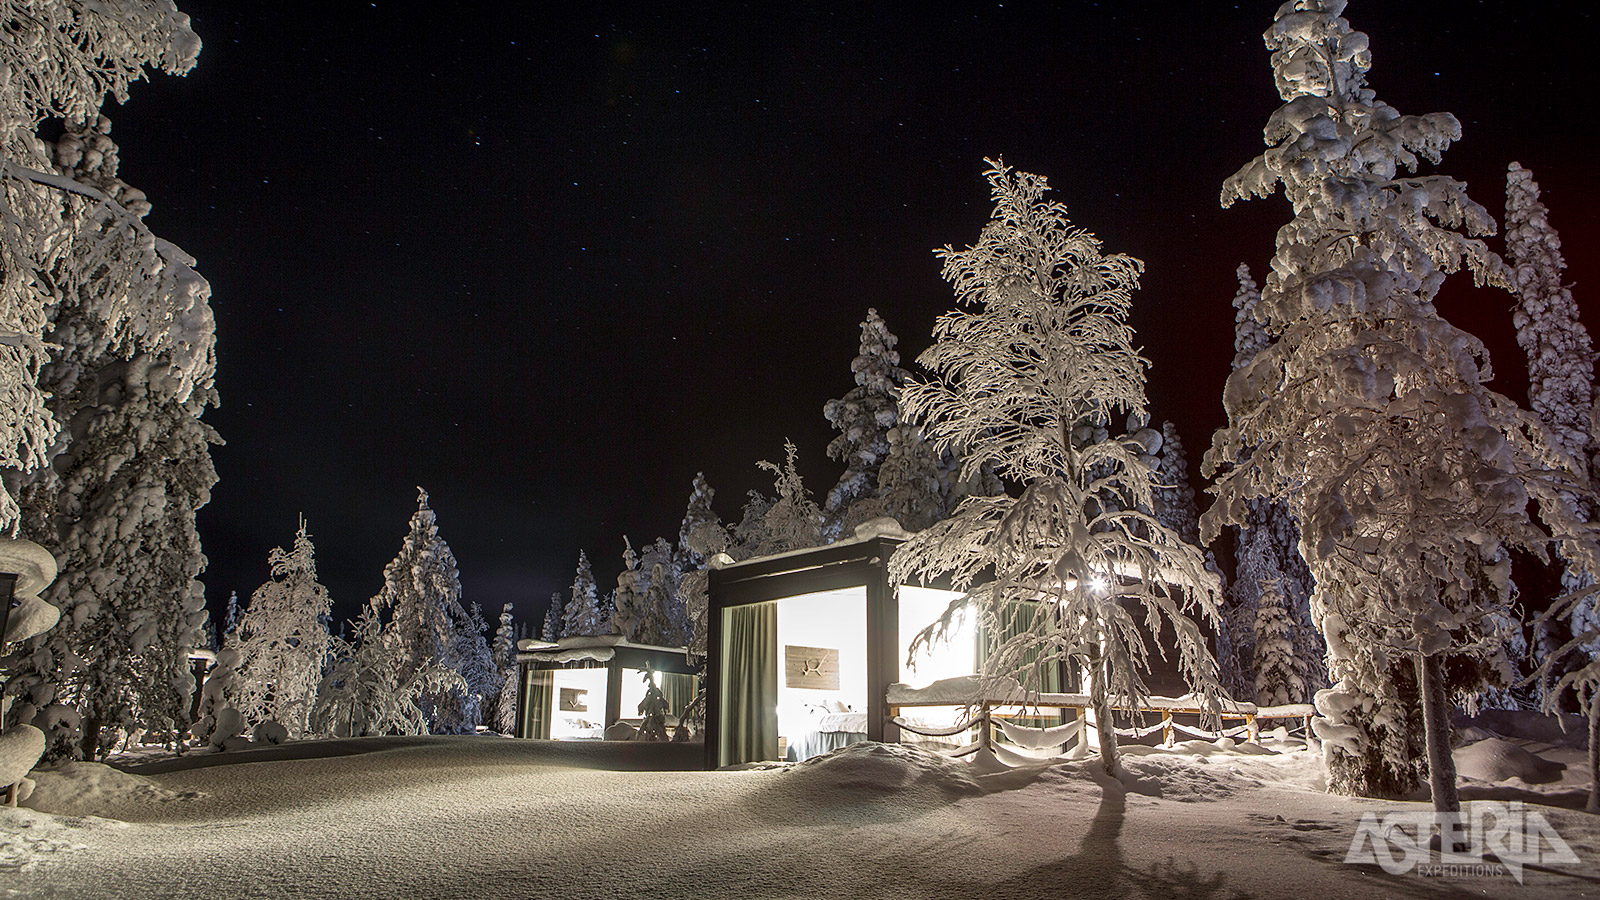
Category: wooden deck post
[1252,728]
[1166,728]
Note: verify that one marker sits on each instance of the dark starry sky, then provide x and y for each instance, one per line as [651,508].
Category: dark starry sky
[548,266]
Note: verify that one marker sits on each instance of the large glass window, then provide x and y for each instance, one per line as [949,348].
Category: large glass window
[795,675]
[578,699]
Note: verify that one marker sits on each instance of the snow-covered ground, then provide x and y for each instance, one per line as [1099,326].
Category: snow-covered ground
[478,817]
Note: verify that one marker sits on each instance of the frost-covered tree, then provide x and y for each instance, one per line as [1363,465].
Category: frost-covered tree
[1266,548]
[128,472]
[645,599]
[1040,345]
[283,640]
[1560,376]
[65,238]
[554,619]
[372,687]
[504,658]
[790,520]
[1174,497]
[583,614]
[461,712]
[863,417]
[1281,673]
[628,599]
[422,598]
[702,534]
[1367,415]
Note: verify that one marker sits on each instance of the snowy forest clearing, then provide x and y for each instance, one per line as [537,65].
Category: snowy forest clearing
[439,816]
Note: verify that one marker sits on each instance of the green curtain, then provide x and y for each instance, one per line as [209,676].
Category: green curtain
[1015,619]
[748,730]
[541,694]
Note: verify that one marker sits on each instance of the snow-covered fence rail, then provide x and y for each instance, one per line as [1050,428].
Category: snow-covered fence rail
[984,696]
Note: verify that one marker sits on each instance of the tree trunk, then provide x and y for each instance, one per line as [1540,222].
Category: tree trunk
[90,743]
[1594,752]
[1105,728]
[1441,762]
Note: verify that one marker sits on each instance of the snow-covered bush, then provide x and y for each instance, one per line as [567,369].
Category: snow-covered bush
[1038,354]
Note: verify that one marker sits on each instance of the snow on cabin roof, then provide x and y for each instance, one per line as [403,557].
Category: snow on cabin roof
[872,529]
[594,647]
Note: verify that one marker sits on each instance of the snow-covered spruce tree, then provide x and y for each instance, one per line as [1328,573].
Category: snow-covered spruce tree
[1174,497]
[422,598]
[504,657]
[648,610]
[283,640]
[461,712]
[791,520]
[701,537]
[661,573]
[1560,377]
[1040,345]
[863,417]
[702,534]
[582,614]
[628,599]
[60,237]
[1266,547]
[1367,415]
[554,619]
[132,464]
[1280,671]
[372,688]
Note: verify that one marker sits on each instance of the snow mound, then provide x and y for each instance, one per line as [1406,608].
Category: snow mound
[1496,759]
[95,789]
[870,782]
[1185,777]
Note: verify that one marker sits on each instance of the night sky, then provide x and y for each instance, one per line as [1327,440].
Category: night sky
[548,268]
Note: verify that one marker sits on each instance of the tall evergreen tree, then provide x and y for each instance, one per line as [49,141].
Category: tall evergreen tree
[504,658]
[1560,379]
[283,641]
[583,614]
[1266,548]
[1041,346]
[554,619]
[469,656]
[1368,415]
[118,502]
[421,598]
[863,417]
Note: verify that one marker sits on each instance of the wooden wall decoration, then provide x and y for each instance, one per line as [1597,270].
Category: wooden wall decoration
[816,668]
[574,700]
